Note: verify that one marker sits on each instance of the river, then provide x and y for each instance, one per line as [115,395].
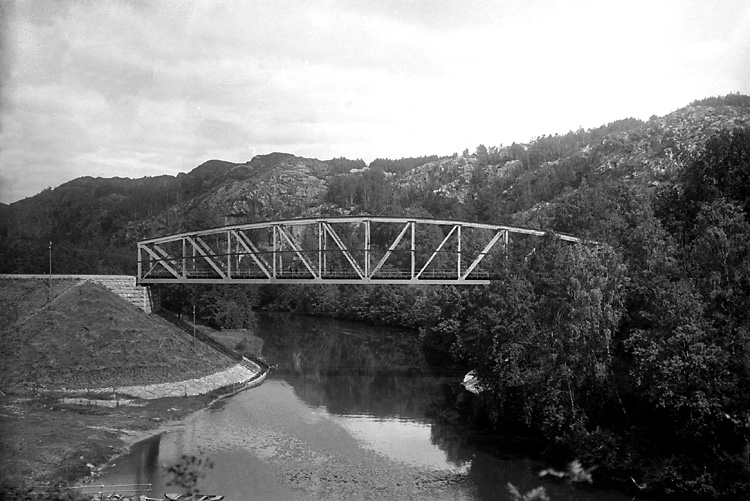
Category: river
[347,415]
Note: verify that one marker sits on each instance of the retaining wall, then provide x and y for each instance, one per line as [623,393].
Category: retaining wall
[122,285]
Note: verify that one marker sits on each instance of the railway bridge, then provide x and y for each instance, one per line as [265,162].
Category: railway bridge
[333,250]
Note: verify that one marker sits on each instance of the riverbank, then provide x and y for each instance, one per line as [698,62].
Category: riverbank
[74,355]
[47,442]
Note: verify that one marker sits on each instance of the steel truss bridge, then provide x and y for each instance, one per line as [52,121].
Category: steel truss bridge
[331,250]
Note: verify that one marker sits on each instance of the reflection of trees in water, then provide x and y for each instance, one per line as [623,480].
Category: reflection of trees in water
[347,367]
[145,458]
[495,458]
[337,345]
[447,433]
[456,408]
[352,368]
[356,369]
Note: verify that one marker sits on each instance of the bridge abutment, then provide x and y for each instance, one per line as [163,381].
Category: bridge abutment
[124,286]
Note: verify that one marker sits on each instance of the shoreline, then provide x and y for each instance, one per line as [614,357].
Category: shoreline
[130,438]
[230,379]
[50,444]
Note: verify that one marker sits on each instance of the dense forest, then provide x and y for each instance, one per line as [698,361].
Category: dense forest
[632,355]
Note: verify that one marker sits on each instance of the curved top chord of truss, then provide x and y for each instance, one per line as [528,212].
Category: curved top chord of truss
[352,249]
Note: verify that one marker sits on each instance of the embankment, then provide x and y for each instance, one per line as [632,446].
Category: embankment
[71,338]
[79,335]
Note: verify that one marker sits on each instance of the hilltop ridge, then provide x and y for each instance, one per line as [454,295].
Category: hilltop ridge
[95,222]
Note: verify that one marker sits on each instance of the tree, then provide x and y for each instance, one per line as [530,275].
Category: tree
[540,336]
[720,169]
[482,154]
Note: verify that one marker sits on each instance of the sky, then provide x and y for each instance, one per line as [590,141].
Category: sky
[134,88]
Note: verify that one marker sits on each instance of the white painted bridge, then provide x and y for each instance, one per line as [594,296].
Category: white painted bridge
[341,250]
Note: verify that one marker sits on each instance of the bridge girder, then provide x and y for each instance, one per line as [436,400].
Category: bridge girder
[330,250]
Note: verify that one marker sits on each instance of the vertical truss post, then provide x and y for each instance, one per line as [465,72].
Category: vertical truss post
[413,247]
[229,254]
[140,269]
[275,248]
[184,259]
[367,248]
[458,253]
[192,247]
[320,249]
[325,247]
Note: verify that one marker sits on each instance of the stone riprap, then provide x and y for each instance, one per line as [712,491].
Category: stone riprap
[239,374]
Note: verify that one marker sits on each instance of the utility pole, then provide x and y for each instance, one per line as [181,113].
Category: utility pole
[49,280]
[193,327]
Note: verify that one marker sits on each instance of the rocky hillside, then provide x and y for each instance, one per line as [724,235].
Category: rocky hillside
[648,152]
[94,223]
[269,186]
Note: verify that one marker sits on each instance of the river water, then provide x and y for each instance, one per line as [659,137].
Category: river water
[347,415]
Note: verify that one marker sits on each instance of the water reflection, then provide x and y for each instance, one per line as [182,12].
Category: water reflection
[405,441]
[140,466]
[346,416]
[349,368]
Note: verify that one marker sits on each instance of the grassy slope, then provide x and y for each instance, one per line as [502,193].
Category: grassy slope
[78,334]
[85,336]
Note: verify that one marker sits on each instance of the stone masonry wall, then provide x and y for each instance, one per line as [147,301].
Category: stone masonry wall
[122,285]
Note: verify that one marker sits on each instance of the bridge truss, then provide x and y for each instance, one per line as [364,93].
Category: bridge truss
[342,250]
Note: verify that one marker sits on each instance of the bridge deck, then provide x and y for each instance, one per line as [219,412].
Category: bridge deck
[391,277]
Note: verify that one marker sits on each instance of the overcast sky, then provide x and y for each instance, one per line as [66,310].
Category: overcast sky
[142,88]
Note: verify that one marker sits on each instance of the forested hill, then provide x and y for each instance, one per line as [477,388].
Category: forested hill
[94,223]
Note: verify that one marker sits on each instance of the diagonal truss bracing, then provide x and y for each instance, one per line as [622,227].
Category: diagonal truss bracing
[357,249]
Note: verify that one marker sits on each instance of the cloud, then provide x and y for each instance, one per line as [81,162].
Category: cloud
[8,190]
[7,56]
[134,88]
